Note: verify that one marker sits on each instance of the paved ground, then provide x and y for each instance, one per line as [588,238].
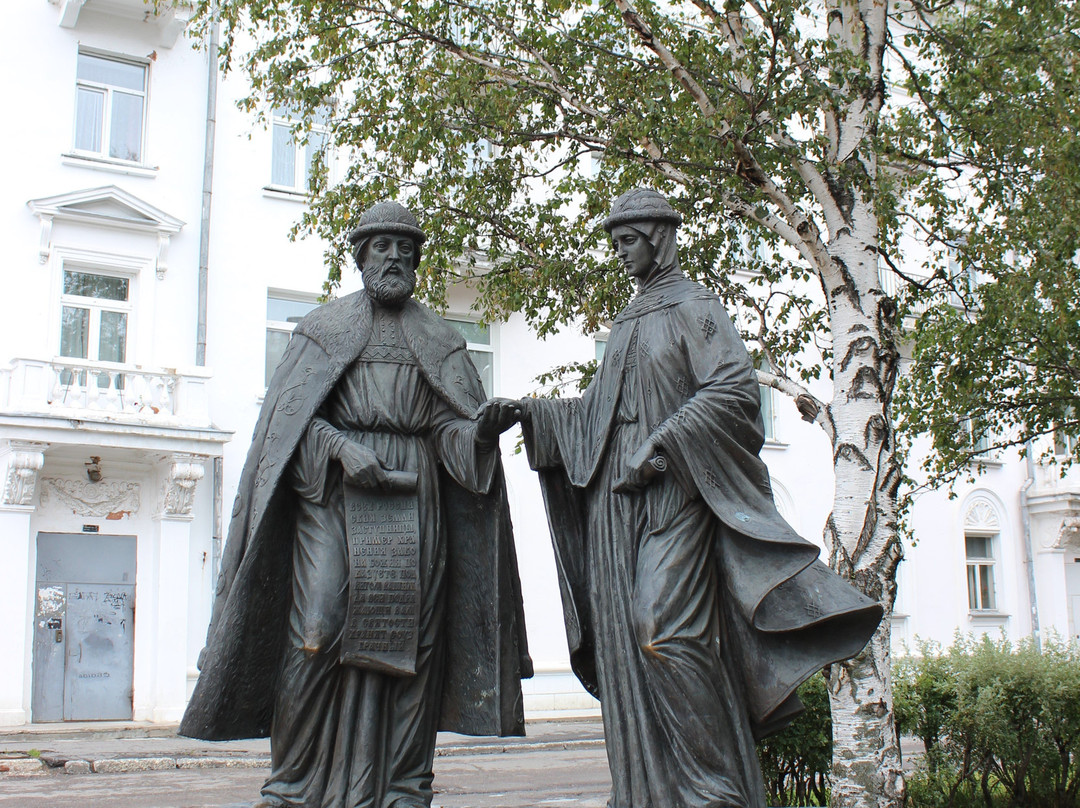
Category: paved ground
[559,763]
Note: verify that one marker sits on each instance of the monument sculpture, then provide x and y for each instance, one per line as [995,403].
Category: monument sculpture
[692,609]
[369,593]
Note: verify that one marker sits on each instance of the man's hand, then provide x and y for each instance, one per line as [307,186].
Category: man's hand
[524,406]
[362,466]
[494,417]
[645,464]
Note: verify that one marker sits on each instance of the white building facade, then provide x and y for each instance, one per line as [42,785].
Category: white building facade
[126,405]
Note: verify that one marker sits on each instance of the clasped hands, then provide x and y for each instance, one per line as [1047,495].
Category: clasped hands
[497,415]
[363,467]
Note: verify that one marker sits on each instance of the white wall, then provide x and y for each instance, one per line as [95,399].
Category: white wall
[250,252]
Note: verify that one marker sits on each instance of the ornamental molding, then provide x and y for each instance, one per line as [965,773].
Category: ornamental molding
[981,516]
[177,499]
[1069,535]
[103,500]
[107,206]
[24,463]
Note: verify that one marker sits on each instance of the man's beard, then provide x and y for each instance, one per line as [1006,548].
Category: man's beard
[389,290]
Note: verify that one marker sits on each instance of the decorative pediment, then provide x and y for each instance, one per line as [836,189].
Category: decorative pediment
[108,206]
[981,517]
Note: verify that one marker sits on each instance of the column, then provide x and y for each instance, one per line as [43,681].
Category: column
[182,474]
[20,462]
[1053,513]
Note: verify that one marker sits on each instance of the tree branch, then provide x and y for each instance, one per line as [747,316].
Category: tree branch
[806,236]
[813,409]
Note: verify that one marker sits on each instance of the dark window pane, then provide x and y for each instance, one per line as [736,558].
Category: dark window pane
[977,546]
[283,310]
[111,71]
[74,332]
[986,586]
[86,284]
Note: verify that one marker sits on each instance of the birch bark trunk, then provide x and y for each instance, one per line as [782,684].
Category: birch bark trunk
[862,530]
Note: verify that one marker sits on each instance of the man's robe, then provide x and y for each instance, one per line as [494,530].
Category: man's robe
[484,624]
[787,614]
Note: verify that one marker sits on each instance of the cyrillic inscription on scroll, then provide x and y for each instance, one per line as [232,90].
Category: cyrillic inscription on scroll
[382,624]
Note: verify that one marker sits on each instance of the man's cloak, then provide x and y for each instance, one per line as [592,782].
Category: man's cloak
[484,627]
[786,614]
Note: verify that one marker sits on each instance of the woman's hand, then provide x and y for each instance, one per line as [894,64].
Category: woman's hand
[645,464]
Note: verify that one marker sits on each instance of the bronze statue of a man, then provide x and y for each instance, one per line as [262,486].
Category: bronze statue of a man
[369,548]
[693,610]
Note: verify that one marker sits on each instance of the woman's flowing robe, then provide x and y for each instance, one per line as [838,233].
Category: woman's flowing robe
[693,610]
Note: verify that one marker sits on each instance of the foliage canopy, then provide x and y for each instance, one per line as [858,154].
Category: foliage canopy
[997,345]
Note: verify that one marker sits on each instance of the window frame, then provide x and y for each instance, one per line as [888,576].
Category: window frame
[961,275]
[983,451]
[107,106]
[282,326]
[978,563]
[96,305]
[1065,441]
[478,154]
[300,139]
[600,341]
[767,397]
[478,347]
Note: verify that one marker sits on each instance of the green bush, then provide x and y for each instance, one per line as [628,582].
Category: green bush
[795,762]
[1001,724]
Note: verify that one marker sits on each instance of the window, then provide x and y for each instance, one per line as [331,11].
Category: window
[981,443]
[283,311]
[478,340]
[766,396]
[589,164]
[1065,435]
[600,343]
[94,316]
[110,107]
[293,157]
[1064,443]
[768,415]
[980,573]
[963,281]
[477,154]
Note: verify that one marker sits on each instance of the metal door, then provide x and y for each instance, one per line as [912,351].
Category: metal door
[84,625]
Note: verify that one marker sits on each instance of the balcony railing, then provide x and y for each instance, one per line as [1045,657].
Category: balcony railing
[76,388]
